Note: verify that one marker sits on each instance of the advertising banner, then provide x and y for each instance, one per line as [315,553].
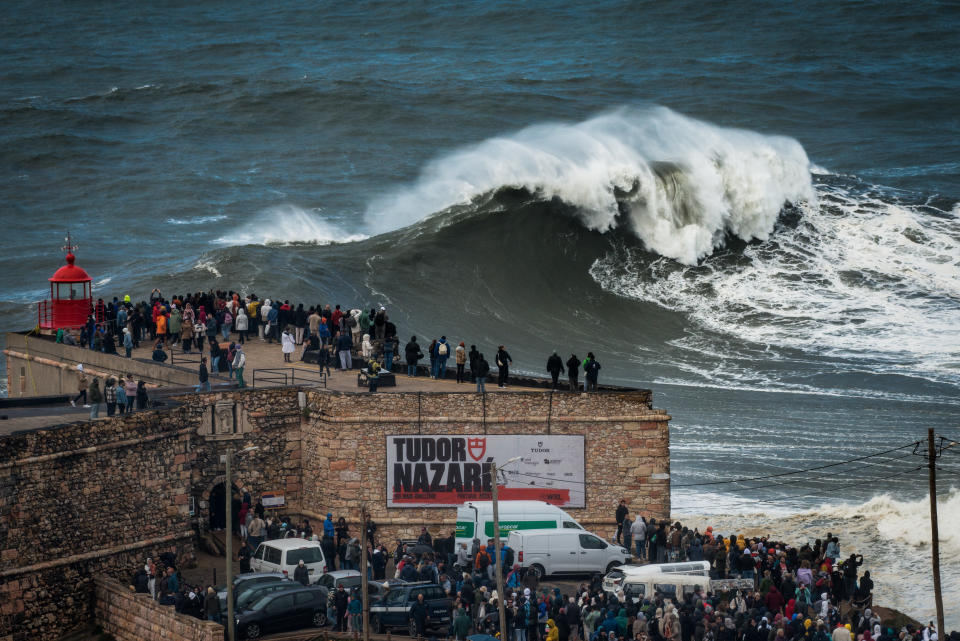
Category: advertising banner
[439,470]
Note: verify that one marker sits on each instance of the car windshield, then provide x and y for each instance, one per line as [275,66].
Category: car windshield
[307,555]
[260,604]
[350,582]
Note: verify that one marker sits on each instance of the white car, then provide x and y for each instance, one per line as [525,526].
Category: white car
[616,576]
[547,552]
[283,556]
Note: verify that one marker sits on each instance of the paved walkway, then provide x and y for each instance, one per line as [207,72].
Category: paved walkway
[263,355]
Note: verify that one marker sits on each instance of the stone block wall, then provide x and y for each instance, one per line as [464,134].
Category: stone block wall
[344,449]
[84,498]
[44,601]
[268,419]
[137,617]
[93,498]
[71,489]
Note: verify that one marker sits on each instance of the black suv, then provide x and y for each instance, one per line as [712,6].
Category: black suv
[285,610]
[393,609]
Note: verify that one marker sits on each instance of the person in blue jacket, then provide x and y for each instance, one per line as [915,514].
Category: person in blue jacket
[442,352]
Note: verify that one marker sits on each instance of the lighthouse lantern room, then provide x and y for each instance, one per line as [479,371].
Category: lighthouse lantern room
[71,296]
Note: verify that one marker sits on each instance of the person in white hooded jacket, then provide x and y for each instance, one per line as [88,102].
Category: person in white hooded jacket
[264,318]
[241,323]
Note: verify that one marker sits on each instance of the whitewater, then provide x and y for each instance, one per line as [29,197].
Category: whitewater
[892,535]
[825,264]
[678,183]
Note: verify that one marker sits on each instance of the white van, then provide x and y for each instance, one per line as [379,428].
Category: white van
[283,555]
[475,520]
[547,552]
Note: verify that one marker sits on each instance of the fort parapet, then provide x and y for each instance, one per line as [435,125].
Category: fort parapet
[95,498]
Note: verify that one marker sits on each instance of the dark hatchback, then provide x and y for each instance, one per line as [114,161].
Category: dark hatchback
[393,609]
[285,610]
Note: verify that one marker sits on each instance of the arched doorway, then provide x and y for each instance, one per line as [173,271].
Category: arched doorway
[218,514]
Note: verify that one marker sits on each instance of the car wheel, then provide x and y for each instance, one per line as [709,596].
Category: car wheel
[378,624]
[612,565]
[538,571]
[253,631]
[319,619]
[413,629]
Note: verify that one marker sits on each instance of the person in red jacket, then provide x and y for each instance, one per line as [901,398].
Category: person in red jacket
[775,600]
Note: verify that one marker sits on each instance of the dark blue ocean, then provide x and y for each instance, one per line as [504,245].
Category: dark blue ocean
[750,207]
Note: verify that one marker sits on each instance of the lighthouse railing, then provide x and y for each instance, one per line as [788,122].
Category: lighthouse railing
[44,315]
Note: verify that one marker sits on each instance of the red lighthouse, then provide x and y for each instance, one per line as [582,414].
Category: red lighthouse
[71,296]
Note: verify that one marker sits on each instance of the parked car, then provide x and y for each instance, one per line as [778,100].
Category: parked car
[254,593]
[351,579]
[285,610]
[283,555]
[392,610]
[244,581]
[348,578]
[547,552]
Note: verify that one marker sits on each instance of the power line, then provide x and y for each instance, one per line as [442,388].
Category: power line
[829,489]
[886,462]
[810,469]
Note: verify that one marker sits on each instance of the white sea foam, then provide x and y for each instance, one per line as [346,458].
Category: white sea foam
[857,277]
[207,265]
[286,224]
[893,535]
[683,183]
[196,220]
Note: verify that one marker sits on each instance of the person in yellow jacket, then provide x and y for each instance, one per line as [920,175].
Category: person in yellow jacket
[552,633]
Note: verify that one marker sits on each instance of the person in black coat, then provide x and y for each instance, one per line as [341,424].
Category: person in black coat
[555,367]
[340,604]
[301,575]
[420,614]
[413,354]
[573,372]
[503,363]
[141,582]
[474,359]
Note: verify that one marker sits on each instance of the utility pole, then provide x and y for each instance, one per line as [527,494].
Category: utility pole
[228,500]
[365,616]
[228,504]
[498,569]
[935,531]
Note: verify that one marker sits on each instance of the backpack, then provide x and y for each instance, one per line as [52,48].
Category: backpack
[442,349]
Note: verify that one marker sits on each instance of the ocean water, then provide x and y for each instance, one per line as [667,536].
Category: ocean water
[750,207]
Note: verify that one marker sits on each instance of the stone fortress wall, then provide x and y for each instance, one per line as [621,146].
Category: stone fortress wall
[95,498]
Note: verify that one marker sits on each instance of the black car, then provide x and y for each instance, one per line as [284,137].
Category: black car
[243,581]
[393,609]
[285,610]
[254,593]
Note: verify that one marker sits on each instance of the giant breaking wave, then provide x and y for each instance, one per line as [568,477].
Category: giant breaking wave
[681,185]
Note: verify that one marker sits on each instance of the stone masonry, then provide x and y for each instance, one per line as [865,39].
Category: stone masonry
[344,449]
[136,617]
[92,499]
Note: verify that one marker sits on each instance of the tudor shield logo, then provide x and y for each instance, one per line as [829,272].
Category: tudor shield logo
[477,447]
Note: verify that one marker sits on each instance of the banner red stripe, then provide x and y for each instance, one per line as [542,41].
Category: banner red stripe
[550,495]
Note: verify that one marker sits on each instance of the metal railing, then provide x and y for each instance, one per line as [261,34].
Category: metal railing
[180,357]
[287,377]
